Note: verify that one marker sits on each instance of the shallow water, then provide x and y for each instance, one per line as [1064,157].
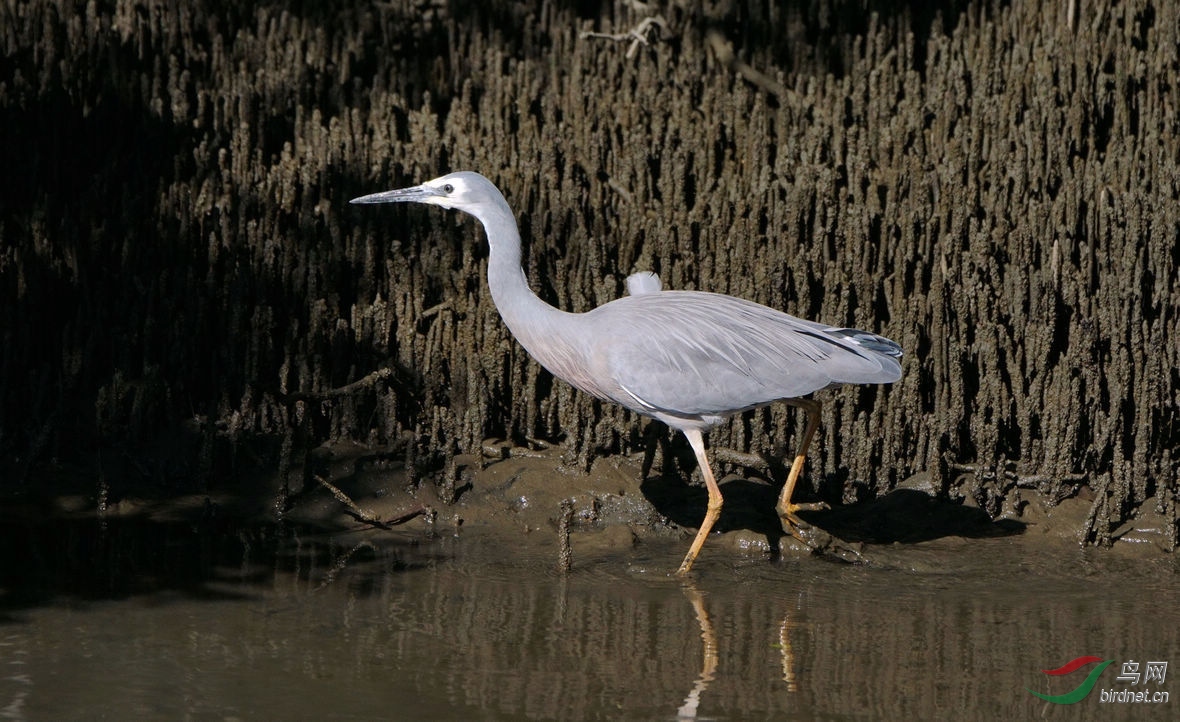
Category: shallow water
[154,621]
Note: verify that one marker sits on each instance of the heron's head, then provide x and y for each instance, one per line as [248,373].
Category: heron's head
[464,191]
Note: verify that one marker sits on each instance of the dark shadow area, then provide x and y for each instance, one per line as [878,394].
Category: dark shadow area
[819,38]
[78,212]
[46,560]
[748,504]
[903,516]
[200,553]
[906,516]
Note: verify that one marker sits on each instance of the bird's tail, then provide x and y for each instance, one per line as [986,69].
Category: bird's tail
[867,341]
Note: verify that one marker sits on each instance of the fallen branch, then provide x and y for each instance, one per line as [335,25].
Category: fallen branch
[364,515]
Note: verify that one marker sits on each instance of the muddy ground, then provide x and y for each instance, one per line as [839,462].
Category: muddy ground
[533,502]
[517,500]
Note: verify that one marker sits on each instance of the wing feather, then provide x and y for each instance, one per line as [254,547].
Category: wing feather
[695,353]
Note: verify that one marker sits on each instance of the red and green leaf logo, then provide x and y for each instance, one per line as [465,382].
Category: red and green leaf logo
[1084,688]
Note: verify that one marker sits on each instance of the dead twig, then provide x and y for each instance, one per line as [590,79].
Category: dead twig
[741,458]
[369,380]
[364,515]
[638,35]
[1009,473]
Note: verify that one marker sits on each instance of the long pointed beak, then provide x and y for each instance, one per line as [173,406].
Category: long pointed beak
[417,194]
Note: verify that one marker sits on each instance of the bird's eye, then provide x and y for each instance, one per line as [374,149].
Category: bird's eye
[448,189]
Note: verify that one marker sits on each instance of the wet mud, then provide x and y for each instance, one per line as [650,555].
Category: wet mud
[190,305]
[536,499]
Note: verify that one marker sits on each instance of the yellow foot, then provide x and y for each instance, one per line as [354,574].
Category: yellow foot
[816,539]
[800,529]
[816,506]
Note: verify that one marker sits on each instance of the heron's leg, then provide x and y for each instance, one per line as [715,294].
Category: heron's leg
[697,442]
[786,509]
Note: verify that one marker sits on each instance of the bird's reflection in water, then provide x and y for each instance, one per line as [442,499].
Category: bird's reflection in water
[710,658]
[692,702]
[788,656]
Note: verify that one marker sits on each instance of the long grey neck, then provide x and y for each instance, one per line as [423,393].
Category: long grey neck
[537,325]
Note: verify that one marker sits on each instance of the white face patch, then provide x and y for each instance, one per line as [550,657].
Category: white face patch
[452,192]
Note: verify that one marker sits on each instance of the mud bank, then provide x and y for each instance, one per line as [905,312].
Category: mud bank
[532,504]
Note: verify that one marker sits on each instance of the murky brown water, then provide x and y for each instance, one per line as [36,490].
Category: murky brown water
[157,621]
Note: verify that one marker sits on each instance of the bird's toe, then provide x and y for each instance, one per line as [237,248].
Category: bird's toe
[810,535]
[815,506]
[816,540]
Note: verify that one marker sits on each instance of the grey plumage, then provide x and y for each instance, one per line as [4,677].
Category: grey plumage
[687,358]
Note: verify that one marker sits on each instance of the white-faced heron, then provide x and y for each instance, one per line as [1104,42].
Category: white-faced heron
[688,358]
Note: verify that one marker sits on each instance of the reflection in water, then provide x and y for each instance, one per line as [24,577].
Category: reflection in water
[784,645]
[709,657]
[367,627]
[688,710]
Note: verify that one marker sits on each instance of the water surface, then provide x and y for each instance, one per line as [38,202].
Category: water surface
[157,621]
